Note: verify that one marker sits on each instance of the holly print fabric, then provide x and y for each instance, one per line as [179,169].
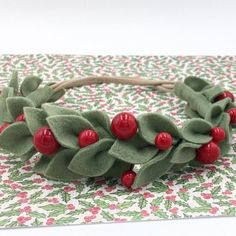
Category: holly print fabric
[27,199]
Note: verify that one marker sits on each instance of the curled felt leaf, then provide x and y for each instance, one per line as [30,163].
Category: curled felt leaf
[178,167]
[35,118]
[5,115]
[100,122]
[212,92]
[190,112]
[15,105]
[28,155]
[66,129]
[93,160]
[41,166]
[153,169]
[53,110]
[16,139]
[118,168]
[214,114]
[150,124]
[41,95]
[225,124]
[184,153]
[197,130]
[197,84]
[133,151]
[30,84]
[57,167]
[14,82]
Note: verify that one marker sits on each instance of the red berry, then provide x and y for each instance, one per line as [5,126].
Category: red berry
[45,142]
[217,134]
[232,114]
[208,153]
[4,126]
[225,94]
[124,126]
[21,117]
[127,178]
[163,141]
[87,137]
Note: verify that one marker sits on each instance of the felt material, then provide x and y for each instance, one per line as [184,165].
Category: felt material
[41,166]
[150,124]
[153,169]
[30,84]
[196,83]
[214,114]
[100,121]
[13,83]
[66,129]
[197,130]
[15,105]
[53,110]
[133,151]
[196,101]
[35,118]
[28,155]
[41,95]
[118,168]
[178,167]
[212,92]
[57,167]
[190,113]
[224,104]
[5,115]
[16,139]
[184,153]
[225,124]
[93,160]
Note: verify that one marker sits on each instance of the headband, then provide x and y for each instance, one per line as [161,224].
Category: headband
[137,150]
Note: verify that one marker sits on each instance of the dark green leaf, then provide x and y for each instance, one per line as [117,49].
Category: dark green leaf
[30,84]
[53,110]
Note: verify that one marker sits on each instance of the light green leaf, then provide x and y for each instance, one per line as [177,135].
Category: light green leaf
[190,112]
[196,83]
[14,82]
[53,110]
[16,139]
[212,92]
[35,118]
[214,114]
[66,129]
[5,115]
[93,160]
[30,84]
[41,166]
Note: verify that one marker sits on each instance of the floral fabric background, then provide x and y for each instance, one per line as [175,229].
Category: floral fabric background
[26,199]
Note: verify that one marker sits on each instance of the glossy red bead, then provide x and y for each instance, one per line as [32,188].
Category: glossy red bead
[45,142]
[217,134]
[163,141]
[124,126]
[225,94]
[21,117]
[4,126]
[208,153]
[232,114]
[87,137]
[127,178]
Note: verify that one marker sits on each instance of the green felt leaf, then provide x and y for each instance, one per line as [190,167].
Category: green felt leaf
[16,139]
[118,168]
[40,95]
[195,83]
[133,151]
[184,153]
[15,105]
[212,92]
[57,95]
[35,118]
[150,124]
[225,124]
[93,160]
[41,166]
[178,167]
[154,168]
[5,115]
[28,155]
[214,114]
[53,110]
[224,103]
[14,82]
[197,130]
[66,129]
[30,84]
[190,112]
[100,121]
[57,168]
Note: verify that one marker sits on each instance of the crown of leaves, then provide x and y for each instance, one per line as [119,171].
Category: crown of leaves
[110,157]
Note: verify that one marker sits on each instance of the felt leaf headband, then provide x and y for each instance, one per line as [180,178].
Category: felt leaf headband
[72,144]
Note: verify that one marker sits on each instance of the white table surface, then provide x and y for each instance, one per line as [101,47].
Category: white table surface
[141,27]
